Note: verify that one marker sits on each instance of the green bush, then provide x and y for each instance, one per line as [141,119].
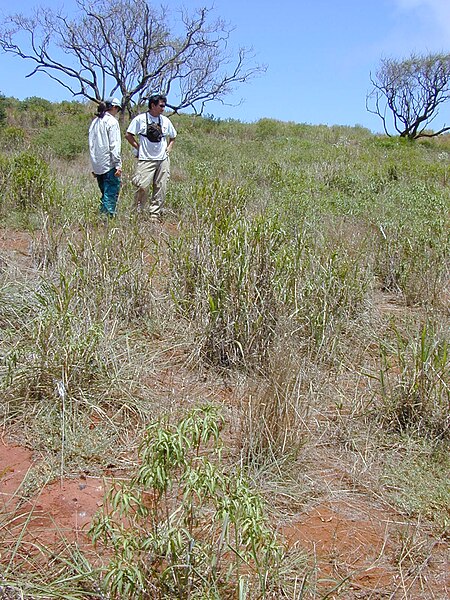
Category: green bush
[12,137]
[182,526]
[31,183]
[267,128]
[65,140]
[39,111]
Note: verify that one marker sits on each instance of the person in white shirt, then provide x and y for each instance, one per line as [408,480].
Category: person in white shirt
[152,136]
[105,150]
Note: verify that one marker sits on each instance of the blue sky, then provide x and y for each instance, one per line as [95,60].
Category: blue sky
[319,54]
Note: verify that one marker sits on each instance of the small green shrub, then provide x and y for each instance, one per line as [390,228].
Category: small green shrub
[31,184]
[39,111]
[183,526]
[71,108]
[12,137]
[37,103]
[65,140]
[267,128]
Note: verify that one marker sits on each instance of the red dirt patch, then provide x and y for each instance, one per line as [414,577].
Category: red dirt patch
[15,241]
[15,249]
[357,548]
[15,462]
[344,541]
[63,511]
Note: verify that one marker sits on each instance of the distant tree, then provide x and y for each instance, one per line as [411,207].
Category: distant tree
[129,48]
[408,94]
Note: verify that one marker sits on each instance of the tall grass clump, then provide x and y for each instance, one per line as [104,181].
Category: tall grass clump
[275,410]
[59,347]
[236,274]
[330,291]
[61,367]
[184,526]
[416,471]
[115,272]
[415,383]
[111,267]
[411,256]
[324,278]
[65,574]
[223,269]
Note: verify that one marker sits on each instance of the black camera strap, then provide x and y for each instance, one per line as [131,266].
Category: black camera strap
[152,121]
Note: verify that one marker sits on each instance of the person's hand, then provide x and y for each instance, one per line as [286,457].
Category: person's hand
[118,172]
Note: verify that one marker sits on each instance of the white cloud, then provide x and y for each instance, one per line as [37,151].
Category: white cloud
[413,27]
[408,4]
[434,13]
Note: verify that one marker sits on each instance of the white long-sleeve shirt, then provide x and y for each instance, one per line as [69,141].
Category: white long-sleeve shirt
[105,144]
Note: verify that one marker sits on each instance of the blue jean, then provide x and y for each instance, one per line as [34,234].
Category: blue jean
[109,186]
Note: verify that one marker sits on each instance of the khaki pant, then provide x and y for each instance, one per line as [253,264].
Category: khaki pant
[155,173]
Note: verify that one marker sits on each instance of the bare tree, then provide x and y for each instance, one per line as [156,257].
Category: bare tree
[131,48]
[408,94]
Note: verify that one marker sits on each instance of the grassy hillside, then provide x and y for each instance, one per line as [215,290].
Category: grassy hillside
[296,298]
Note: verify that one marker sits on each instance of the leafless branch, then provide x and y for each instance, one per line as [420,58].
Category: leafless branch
[130,47]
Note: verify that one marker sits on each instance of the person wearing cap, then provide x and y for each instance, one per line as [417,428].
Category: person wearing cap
[105,150]
[153,165]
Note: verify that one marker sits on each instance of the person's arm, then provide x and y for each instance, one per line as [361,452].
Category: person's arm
[171,135]
[115,145]
[131,139]
[170,145]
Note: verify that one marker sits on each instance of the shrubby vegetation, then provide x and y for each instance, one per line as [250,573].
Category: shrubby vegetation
[170,548]
[306,266]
